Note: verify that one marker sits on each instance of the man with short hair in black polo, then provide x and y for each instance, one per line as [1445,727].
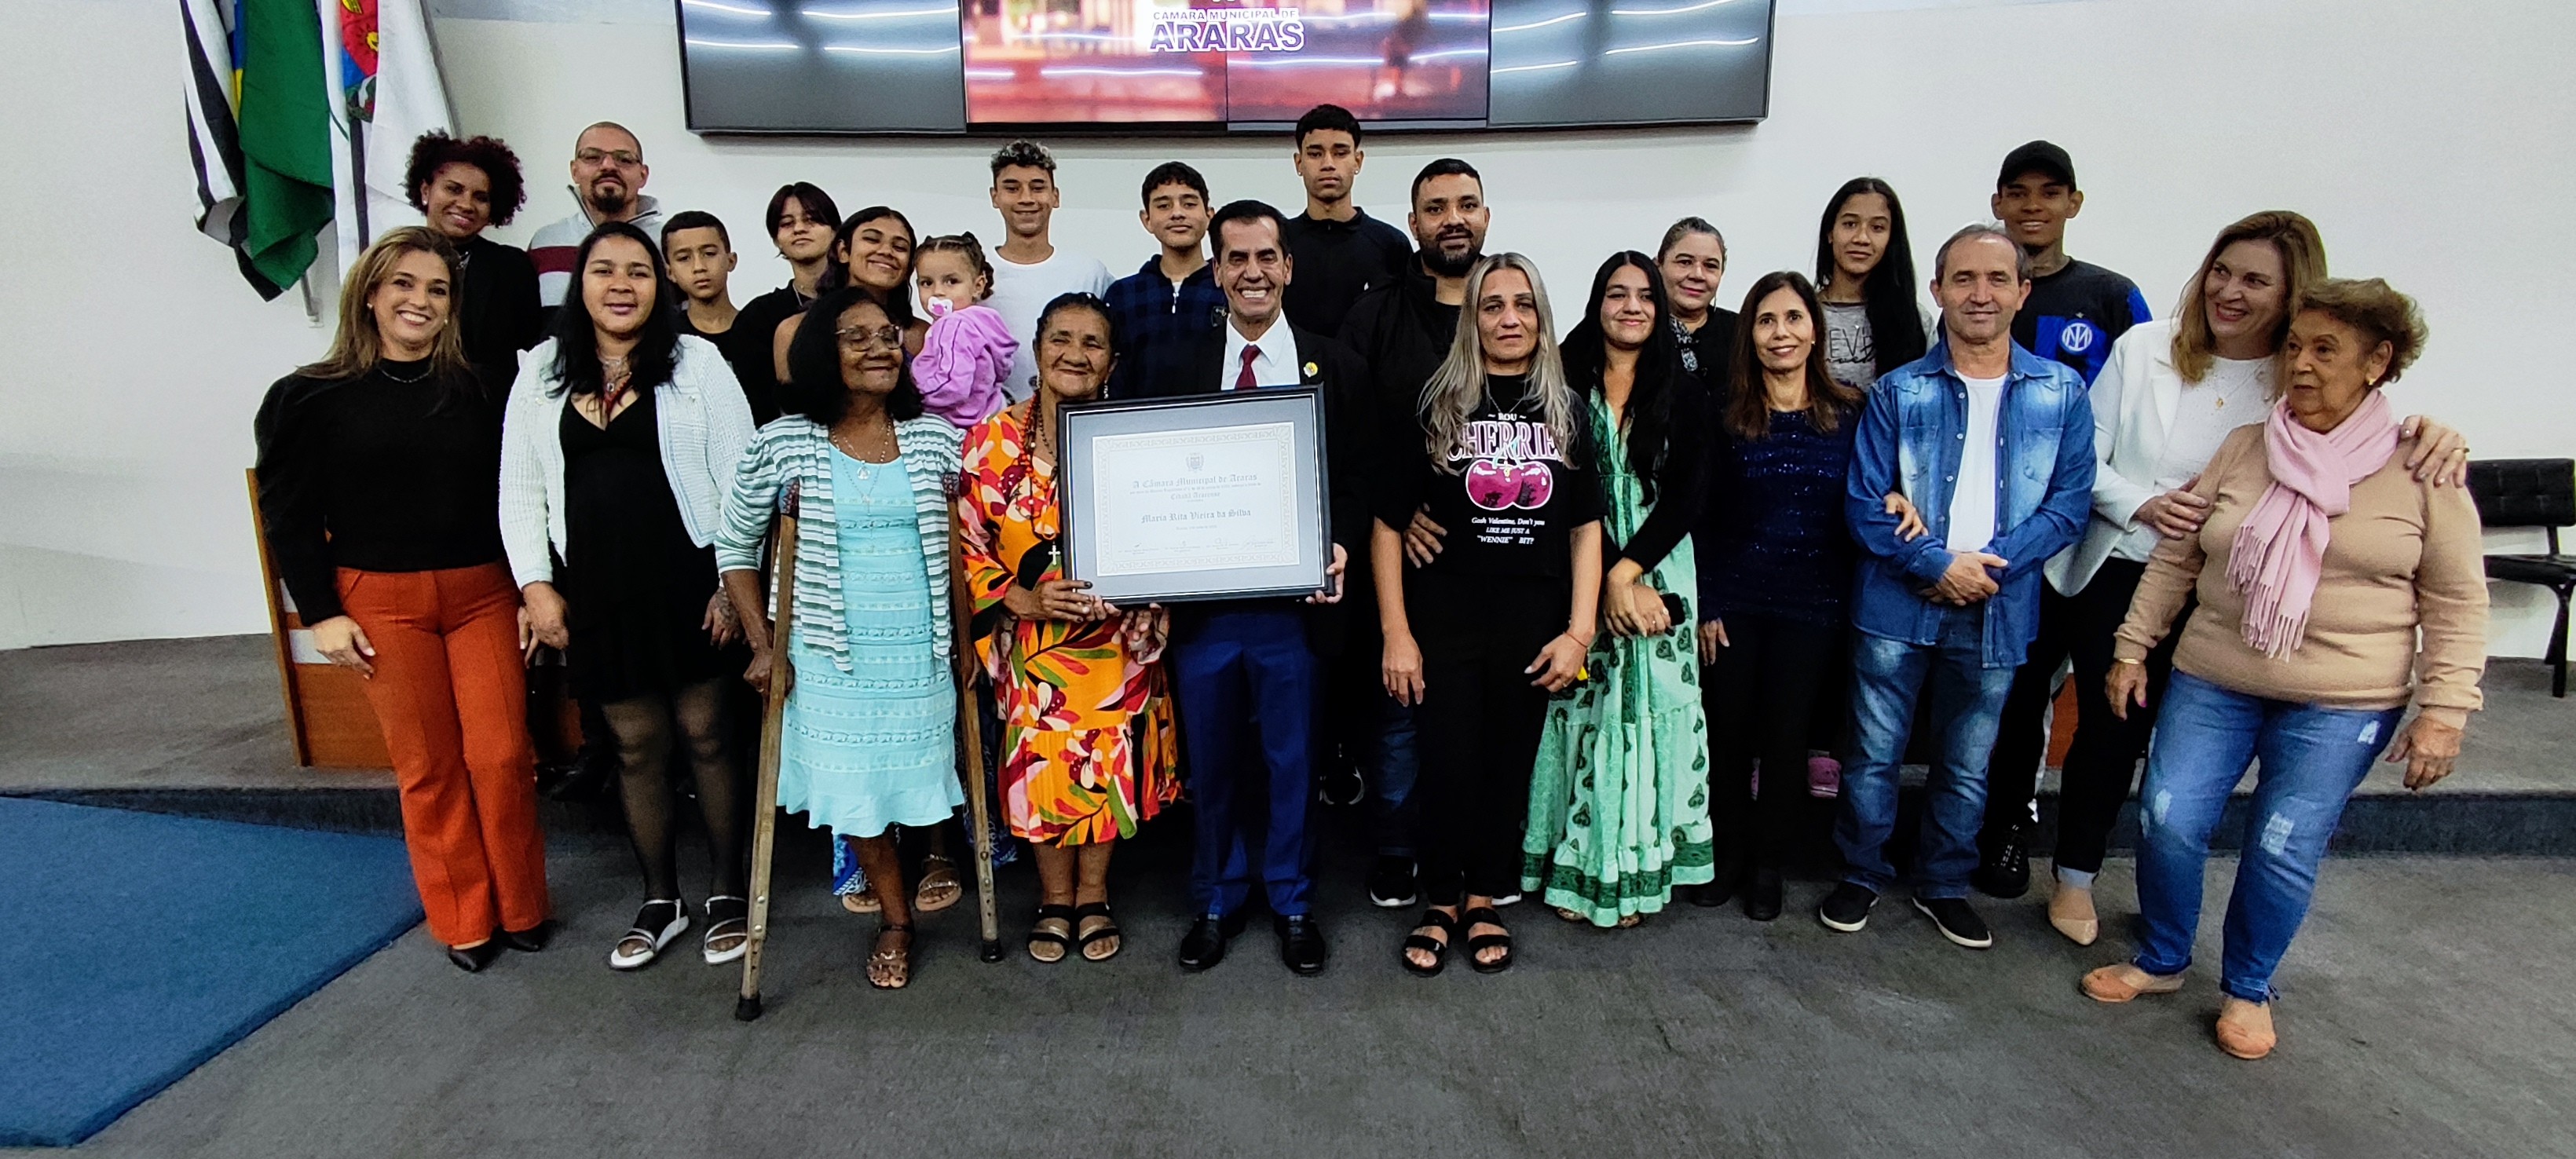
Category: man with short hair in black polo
[1249,674]
[1344,252]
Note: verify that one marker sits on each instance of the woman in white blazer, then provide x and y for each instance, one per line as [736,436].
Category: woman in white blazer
[619,441]
[2172,392]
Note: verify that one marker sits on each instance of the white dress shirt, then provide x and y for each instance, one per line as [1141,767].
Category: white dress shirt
[1274,365]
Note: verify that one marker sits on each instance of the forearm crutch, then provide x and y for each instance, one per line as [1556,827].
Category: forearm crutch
[970,721]
[773,716]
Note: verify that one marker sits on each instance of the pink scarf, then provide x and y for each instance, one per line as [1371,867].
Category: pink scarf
[2280,549]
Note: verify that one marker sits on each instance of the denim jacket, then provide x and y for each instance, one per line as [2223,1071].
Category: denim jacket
[1908,442]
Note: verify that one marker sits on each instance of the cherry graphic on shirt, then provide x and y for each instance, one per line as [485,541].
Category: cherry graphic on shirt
[1532,484]
[1491,485]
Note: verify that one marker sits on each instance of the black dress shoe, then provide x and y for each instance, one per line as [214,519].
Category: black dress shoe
[532,939]
[1301,944]
[473,959]
[1204,945]
[1762,895]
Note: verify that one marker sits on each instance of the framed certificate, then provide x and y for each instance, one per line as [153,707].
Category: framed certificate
[1217,496]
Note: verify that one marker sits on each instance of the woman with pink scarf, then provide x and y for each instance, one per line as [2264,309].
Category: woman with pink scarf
[2320,560]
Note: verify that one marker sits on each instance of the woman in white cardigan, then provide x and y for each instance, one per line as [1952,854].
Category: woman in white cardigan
[2172,392]
[619,441]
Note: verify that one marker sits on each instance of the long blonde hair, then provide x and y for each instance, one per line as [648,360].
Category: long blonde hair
[2303,264]
[357,347]
[1456,389]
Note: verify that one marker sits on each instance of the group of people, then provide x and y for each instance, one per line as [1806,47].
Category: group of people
[1609,594]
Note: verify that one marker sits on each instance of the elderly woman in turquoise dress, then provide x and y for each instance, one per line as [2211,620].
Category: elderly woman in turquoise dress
[869,739]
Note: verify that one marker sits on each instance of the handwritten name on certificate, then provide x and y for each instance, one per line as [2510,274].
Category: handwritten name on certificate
[1216,498]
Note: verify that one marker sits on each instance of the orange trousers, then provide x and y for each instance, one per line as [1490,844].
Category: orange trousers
[452,697]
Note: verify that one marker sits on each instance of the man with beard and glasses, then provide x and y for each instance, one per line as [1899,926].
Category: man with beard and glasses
[608,173]
[1403,330]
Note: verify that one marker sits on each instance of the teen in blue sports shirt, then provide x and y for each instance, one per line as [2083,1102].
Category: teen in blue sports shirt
[2076,309]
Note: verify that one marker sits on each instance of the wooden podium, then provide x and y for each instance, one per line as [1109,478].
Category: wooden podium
[327,714]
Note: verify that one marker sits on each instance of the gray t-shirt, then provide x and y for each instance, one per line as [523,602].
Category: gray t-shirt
[1850,355]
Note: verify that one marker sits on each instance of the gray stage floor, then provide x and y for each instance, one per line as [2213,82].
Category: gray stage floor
[2426,1014]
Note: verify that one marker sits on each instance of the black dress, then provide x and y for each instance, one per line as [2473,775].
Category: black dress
[637,589]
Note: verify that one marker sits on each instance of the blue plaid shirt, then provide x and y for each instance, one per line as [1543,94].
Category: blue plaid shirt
[1150,311]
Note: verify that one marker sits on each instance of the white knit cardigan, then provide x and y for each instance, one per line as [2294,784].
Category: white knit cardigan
[703,423]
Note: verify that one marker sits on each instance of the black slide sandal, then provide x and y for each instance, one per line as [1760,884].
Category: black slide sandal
[1438,948]
[1096,909]
[1484,915]
[1046,913]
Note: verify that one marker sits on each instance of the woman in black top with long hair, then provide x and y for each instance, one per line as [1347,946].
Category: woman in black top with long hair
[1873,319]
[618,450]
[377,482]
[1618,808]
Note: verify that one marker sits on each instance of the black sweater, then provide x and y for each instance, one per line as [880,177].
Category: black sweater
[497,313]
[376,474]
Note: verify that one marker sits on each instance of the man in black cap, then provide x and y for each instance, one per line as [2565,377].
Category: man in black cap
[2076,309]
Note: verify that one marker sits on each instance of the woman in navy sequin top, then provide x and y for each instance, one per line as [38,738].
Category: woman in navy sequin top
[1775,574]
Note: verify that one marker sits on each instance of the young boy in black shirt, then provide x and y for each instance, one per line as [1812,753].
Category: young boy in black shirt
[2076,310]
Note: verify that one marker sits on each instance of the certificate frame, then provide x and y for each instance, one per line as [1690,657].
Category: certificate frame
[1102,439]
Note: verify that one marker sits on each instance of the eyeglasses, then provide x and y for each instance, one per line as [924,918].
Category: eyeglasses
[603,156]
[854,338]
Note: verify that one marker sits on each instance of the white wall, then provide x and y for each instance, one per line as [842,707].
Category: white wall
[2428,141]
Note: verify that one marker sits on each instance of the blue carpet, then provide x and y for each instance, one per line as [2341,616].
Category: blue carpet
[135,946]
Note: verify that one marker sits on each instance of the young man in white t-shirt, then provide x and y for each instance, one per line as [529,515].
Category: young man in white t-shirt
[1028,270]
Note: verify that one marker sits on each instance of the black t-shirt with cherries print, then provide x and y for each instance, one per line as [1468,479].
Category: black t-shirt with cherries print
[1515,496]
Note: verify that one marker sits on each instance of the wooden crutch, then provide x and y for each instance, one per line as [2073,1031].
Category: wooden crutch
[773,717]
[970,720]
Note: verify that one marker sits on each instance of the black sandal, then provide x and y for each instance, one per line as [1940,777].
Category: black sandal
[1039,933]
[1484,915]
[1438,948]
[895,964]
[1108,929]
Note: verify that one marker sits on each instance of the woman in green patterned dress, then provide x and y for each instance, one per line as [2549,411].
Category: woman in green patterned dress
[1618,811]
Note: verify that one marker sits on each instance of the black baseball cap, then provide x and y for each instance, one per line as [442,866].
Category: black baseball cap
[2039,157]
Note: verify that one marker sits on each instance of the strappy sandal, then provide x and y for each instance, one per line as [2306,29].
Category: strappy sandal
[645,940]
[1484,915]
[1040,935]
[891,969]
[728,917]
[862,902]
[940,886]
[1438,947]
[1107,929]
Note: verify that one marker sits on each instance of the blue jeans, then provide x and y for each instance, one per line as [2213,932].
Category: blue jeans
[1396,764]
[1967,701]
[2312,759]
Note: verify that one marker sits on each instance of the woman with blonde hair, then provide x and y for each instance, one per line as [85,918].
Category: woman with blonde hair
[2335,588]
[379,485]
[1501,455]
[2173,390]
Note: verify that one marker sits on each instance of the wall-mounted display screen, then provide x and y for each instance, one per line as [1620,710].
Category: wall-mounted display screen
[958,66]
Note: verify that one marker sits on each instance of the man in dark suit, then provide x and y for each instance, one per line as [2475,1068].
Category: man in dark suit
[1248,674]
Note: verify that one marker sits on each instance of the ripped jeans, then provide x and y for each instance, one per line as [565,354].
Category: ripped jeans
[2312,759]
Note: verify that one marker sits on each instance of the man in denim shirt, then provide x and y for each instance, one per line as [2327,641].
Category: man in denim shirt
[1993,447]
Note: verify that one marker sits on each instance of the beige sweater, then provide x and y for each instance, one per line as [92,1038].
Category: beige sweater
[2407,557]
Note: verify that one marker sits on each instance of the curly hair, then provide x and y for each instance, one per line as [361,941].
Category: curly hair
[2378,311]
[436,150]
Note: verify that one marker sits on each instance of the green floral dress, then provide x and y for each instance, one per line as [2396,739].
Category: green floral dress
[1618,811]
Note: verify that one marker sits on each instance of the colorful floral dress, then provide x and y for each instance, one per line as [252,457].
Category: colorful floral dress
[1088,747]
[1618,809]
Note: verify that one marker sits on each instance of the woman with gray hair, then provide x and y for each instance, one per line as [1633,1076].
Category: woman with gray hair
[2336,588]
[1501,619]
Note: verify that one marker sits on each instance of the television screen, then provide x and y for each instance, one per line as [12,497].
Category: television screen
[946,66]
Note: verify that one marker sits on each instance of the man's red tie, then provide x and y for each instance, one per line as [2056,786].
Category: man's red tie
[1244,380]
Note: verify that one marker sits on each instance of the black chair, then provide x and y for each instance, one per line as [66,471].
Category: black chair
[2532,493]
